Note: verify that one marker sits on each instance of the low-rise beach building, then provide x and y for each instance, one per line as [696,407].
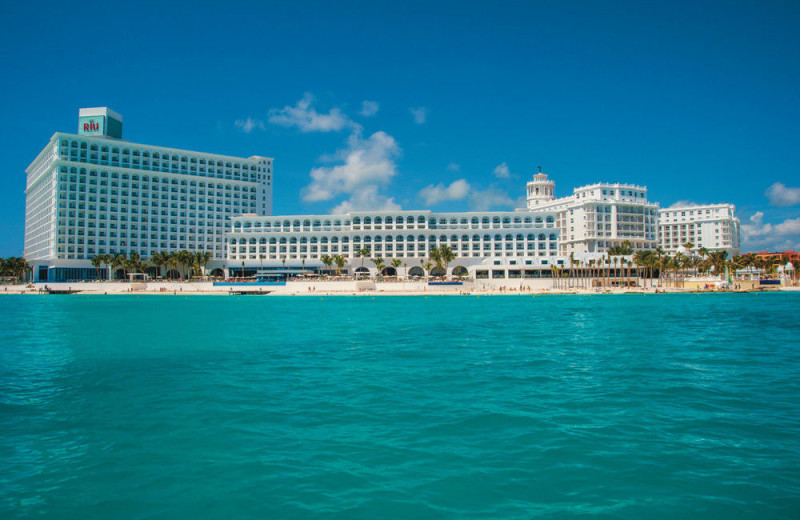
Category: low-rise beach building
[479,241]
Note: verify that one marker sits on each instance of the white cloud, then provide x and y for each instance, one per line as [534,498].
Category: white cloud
[433,195]
[420,114]
[249,124]
[367,165]
[491,198]
[781,195]
[369,108]
[684,204]
[501,171]
[307,119]
[453,167]
[759,235]
[367,198]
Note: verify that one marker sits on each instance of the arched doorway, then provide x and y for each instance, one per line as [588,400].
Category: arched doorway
[437,271]
[361,271]
[416,271]
[460,270]
[389,271]
[217,273]
[152,271]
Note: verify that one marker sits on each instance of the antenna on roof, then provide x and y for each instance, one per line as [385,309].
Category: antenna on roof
[540,169]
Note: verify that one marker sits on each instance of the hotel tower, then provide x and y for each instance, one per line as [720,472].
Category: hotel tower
[94,193]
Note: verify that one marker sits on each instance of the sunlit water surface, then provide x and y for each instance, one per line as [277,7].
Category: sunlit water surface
[151,407]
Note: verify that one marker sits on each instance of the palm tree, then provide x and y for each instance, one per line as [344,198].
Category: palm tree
[647,261]
[378,261]
[159,260]
[446,255]
[660,255]
[133,264]
[185,260]
[718,260]
[638,261]
[327,261]
[427,266]
[572,263]
[118,261]
[201,259]
[105,260]
[339,260]
[396,263]
[436,257]
[363,253]
[171,261]
[97,262]
[680,262]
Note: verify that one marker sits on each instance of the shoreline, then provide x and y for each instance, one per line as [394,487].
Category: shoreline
[347,288]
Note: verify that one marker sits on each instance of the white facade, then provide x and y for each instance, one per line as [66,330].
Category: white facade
[713,226]
[520,238]
[597,217]
[88,195]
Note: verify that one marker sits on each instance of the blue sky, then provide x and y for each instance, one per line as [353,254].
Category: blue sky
[441,105]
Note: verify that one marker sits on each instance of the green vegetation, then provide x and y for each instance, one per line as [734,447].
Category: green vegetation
[14,268]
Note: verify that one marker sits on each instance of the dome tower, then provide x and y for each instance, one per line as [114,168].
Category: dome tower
[540,189]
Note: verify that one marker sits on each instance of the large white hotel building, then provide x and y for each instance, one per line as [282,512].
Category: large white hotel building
[93,193]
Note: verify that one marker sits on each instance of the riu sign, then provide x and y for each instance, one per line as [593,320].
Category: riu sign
[91,125]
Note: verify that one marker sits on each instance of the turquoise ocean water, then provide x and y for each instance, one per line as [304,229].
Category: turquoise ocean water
[151,407]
